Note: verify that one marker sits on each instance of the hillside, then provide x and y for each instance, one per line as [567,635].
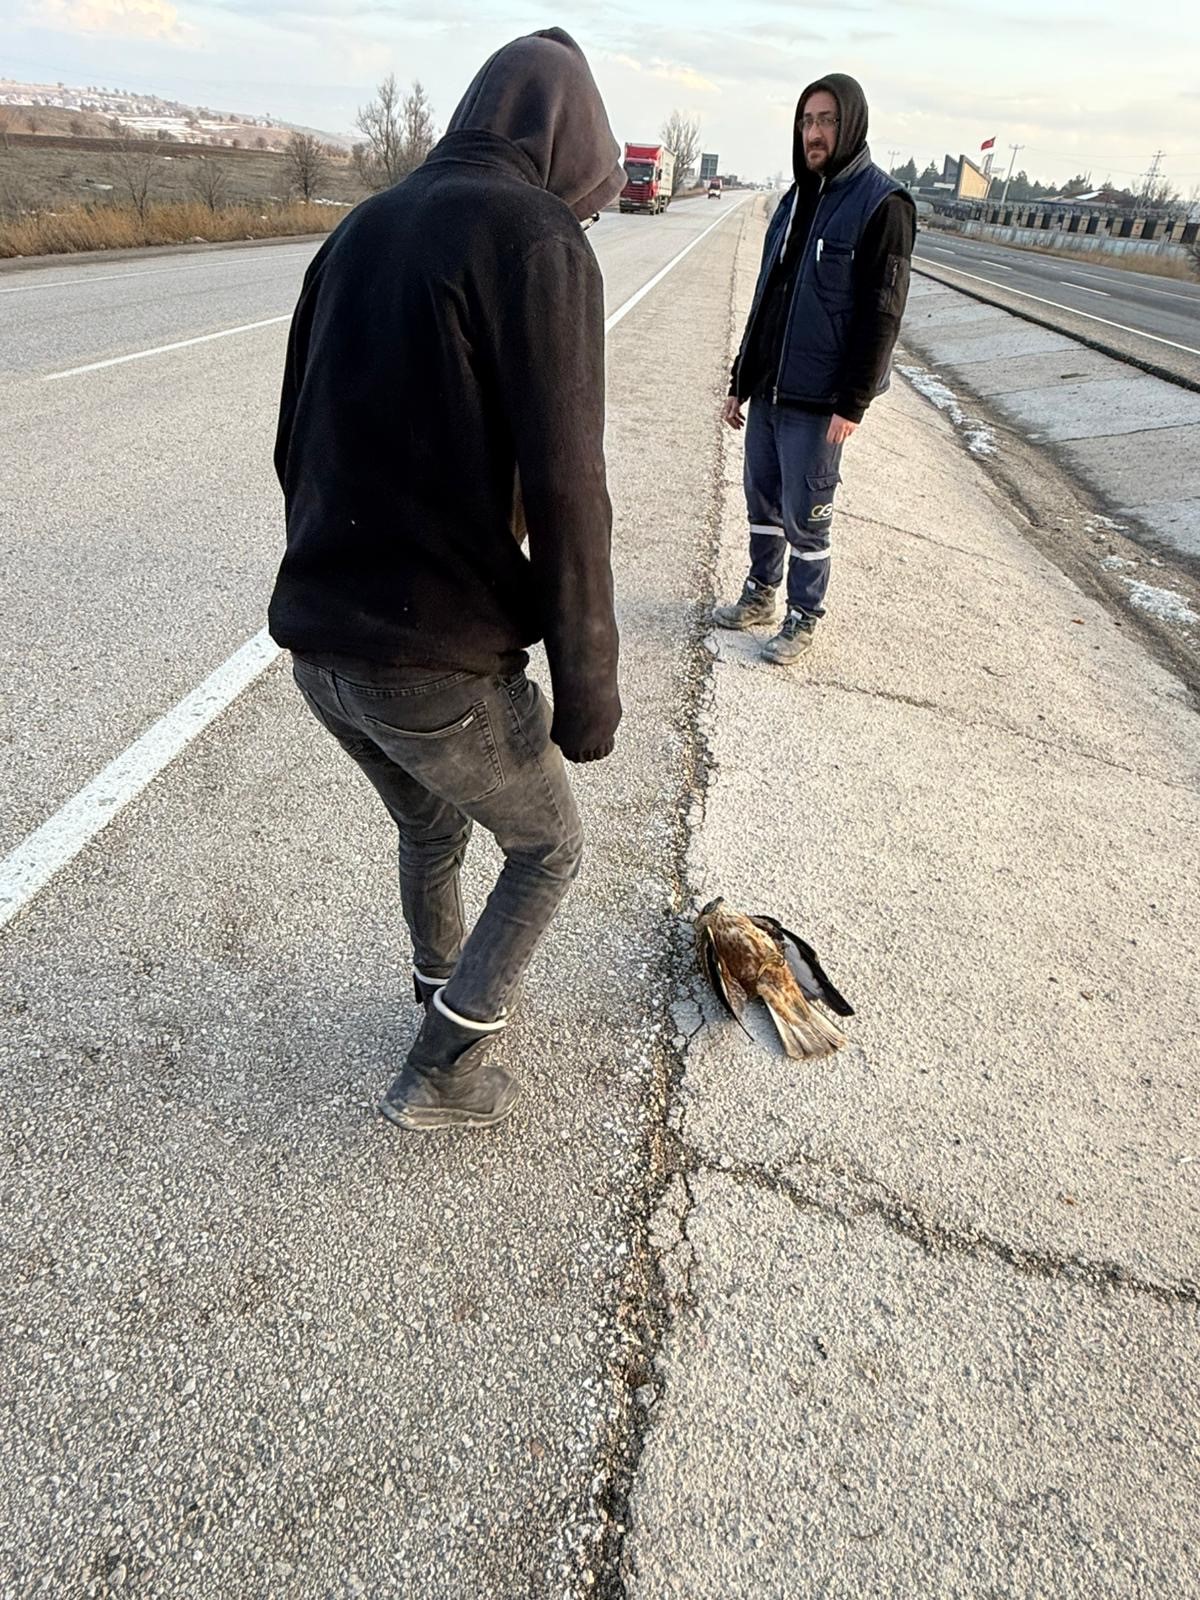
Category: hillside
[58,110]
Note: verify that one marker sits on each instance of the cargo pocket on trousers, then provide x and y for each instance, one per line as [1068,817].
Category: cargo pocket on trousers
[821,486]
[459,762]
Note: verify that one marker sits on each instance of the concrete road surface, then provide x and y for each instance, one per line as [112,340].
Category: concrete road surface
[1151,319]
[920,1320]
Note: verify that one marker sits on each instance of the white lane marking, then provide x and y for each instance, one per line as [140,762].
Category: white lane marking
[161,349]
[1075,311]
[61,837]
[1083,288]
[44,852]
[623,311]
[1118,277]
[249,327]
[150,272]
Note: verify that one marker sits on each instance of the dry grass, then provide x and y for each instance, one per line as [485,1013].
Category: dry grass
[114,227]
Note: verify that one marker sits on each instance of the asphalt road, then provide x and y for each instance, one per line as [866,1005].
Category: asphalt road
[1165,307]
[254,1343]
[141,527]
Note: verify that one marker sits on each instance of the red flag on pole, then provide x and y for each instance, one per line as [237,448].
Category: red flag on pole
[988,144]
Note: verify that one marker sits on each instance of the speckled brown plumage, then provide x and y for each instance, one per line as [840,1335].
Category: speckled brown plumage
[746,957]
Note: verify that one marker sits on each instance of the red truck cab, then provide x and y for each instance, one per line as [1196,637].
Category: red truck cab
[649,178]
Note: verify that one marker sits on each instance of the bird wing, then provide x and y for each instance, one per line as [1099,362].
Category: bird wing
[803,1031]
[809,973]
[725,986]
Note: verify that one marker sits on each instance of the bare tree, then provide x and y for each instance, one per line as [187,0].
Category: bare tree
[8,124]
[134,173]
[398,134]
[306,164]
[377,160]
[33,121]
[416,123]
[209,181]
[682,135]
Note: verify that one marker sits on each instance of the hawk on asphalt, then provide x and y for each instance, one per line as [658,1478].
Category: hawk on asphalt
[748,957]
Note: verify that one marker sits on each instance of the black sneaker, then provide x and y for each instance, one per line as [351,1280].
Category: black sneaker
[795,636]
[755,607]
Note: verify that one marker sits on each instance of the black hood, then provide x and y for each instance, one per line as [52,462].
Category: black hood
[538,92]
[852,128]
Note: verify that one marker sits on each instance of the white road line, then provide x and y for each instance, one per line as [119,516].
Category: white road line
[46,851]
[256,260]
[623,311]
[1083,288]
[161,349]
[61,837]
[987,261]
[1075,311]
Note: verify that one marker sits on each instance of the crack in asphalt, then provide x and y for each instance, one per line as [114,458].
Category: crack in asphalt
[869,1196]
[645,1308]
[986,726]
[927,538]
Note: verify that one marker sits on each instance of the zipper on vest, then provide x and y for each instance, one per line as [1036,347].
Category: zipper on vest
[787,321]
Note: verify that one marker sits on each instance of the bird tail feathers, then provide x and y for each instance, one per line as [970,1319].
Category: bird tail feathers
[804,1031]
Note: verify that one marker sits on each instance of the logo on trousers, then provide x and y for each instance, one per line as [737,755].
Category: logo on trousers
[821,513]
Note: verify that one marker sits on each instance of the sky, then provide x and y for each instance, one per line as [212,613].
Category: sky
[1096,87]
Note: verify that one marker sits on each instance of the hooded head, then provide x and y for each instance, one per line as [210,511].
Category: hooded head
[845,142]
[538,92]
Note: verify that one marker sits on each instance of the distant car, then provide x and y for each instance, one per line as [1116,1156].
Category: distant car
[714,188]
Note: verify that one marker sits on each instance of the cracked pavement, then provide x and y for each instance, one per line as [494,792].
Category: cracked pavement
[931,1318]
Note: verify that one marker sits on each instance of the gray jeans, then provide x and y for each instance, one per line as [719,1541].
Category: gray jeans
[444,750]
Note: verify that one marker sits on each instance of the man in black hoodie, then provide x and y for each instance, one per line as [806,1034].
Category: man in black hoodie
[816,351]
[444,396]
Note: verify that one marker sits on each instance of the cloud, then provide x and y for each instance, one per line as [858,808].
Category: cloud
[784,32]
[123,19]
[667,71]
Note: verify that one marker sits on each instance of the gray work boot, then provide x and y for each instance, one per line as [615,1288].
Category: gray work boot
[793,639]
[447,1082]
[755,606]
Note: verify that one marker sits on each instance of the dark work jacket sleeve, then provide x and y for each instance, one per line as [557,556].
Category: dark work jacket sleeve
[881,272]
[551,374]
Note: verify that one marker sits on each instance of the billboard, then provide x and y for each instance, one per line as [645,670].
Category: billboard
[708,167]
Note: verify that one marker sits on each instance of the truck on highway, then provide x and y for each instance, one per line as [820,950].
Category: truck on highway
[714,188]
[649,178]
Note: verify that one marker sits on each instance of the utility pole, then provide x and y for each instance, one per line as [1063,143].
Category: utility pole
[1012,163]
[893,157]
[1152,175]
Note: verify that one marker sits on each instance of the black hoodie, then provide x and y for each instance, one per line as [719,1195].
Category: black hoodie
[448,344]
[881,265]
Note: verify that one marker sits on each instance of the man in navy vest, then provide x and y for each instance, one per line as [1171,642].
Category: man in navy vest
[816,351]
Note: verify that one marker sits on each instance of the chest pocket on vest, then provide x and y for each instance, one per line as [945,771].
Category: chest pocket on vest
[835,273]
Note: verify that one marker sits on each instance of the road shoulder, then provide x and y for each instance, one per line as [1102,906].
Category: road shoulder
[933,1303]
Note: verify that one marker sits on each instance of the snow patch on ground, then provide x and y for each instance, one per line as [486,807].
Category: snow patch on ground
[1116,564]
[980,439]
[1162,603]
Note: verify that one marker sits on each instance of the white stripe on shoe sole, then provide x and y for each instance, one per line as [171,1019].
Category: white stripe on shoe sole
[26,870]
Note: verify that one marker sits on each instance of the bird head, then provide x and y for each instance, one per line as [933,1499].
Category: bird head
[707,911]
